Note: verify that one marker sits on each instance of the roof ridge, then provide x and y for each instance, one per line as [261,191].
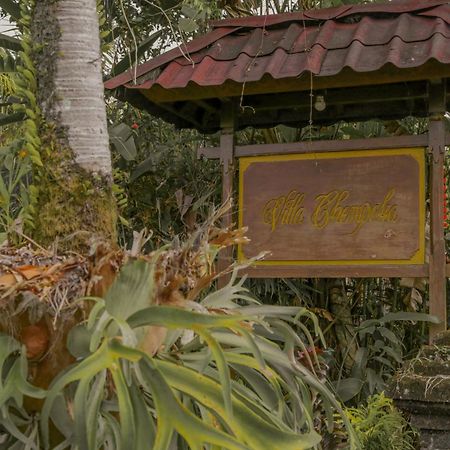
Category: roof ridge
[333,13]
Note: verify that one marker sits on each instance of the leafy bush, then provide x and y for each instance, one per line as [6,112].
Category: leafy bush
[379,425]
[379,352]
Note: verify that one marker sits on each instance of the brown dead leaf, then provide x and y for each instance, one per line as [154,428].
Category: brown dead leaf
[225,238]
[323,313]
[413,300]
[200,284]
[8,280]
[30,272]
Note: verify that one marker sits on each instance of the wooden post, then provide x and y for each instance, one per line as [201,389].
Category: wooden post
[227,162]
[438,305]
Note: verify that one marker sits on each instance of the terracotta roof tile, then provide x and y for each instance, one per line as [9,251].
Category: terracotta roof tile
[363,38]
[360,38]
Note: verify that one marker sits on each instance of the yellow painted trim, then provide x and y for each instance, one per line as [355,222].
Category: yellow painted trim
[417,153]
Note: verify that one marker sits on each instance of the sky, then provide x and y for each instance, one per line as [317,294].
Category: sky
[5,27]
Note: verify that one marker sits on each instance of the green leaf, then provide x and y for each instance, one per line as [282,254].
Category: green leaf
[78,340]
[348,388]
[187,25]
[413,316]
[360,363]
[86,369]
[93,409]
[189,11]
[80,405]
[173,317]
[8,162]
[8,119]
[11,7]
[383,361]
[142,168]
[221,367]
[26,442]
[9,42]
[61,418]
[132,290]
[272,310]
[126,148]
[127,424]
[99,330]
[260,385]
[254,348]
[172,415]
[396,355]
[388,334]
[15,386]
[282,363]
[245,424]
[122,139]
[374,380]
[113,431]
[145,425]
[225,297]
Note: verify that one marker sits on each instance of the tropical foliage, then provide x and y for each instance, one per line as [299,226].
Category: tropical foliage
[231,372]
[162,360]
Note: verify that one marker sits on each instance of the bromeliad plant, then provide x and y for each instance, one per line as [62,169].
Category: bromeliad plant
[162,362]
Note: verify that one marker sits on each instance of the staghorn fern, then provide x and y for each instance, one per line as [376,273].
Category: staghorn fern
[164,361]
[225,384]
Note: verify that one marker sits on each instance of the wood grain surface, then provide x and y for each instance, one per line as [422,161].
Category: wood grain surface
[340,208]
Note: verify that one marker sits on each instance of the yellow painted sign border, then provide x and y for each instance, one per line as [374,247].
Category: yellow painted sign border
[417,153]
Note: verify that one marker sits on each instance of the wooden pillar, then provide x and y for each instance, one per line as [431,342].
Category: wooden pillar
[438,304]
[227,125]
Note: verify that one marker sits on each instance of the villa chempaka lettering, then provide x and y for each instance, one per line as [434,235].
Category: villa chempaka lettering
[355,207]
[284,210]
[333,207]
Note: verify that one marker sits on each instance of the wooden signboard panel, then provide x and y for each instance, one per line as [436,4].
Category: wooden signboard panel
[342,208]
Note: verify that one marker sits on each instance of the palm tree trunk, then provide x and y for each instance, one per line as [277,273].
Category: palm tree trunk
[75,200]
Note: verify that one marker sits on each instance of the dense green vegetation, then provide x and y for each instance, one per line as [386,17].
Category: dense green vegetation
[280,370]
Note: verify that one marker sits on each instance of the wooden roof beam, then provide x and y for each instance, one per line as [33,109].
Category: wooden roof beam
[369,94]
[331,114]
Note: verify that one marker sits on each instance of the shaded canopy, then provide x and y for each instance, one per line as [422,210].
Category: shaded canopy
[270,65]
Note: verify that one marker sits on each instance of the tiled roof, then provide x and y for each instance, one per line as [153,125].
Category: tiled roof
[324,43]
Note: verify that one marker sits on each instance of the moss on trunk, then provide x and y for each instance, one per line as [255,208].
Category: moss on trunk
[73,205]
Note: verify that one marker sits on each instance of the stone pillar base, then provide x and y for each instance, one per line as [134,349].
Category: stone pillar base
[422,390]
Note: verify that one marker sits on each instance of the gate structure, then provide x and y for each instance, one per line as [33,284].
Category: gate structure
[367,202]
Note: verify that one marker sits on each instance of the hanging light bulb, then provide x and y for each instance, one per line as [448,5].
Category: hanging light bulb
[320,104]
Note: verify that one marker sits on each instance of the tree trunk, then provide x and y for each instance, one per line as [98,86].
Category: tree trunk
[345,334]
[74,196]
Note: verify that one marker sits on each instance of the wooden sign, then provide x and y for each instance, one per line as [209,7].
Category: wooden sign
[355,207]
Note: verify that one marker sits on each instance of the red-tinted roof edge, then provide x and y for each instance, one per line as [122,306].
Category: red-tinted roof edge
[190,47]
